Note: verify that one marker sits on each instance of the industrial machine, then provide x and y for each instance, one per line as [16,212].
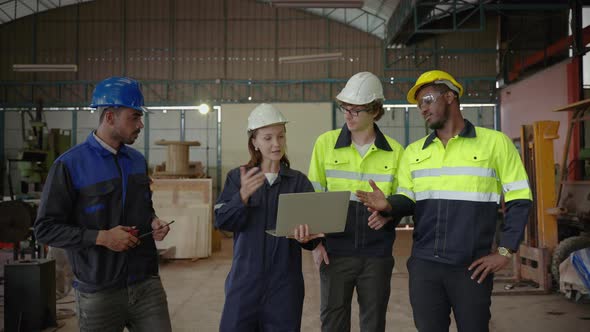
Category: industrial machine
[573,200]
[30,279]
[40,148]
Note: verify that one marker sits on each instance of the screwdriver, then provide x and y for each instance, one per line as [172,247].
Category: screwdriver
[148,233]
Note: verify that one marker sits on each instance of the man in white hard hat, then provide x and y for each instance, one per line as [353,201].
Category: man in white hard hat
[361,256]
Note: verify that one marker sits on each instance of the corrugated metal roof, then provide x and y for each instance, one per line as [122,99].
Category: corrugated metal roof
[371,18]
[14,9]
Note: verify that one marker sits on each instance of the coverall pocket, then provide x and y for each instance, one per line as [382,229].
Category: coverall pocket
[338,171]
[95,202]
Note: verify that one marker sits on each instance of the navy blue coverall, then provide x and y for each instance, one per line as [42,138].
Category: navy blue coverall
[264,289]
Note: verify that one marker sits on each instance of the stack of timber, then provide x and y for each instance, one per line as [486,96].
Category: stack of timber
[189,203]
[181,192]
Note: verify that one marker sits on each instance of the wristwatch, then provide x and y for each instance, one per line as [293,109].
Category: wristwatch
[504,252]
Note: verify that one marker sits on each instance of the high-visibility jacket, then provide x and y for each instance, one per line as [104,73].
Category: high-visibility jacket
[336,165]
[457,190]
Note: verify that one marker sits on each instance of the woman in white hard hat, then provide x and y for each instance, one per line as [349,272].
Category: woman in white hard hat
[264,289]
[361,256]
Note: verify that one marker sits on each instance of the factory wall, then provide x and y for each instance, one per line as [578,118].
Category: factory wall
[533,99]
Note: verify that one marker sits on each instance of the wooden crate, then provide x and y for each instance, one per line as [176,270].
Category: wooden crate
[189,203]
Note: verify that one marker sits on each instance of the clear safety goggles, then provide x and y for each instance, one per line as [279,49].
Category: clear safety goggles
[427,100]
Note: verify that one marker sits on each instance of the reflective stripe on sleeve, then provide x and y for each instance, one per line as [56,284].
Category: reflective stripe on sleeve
[517,185]
[406,192]
[317,186]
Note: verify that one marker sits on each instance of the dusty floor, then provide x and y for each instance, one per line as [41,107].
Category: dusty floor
[195,295]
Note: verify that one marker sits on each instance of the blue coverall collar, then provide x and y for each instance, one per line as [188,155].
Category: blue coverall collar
[345,139]
[285,171]
[124,149]
[468,132]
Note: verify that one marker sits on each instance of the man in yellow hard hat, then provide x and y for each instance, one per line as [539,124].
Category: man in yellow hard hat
[452,181]
[360,257]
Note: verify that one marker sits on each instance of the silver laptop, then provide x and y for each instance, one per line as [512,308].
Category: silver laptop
[323,212]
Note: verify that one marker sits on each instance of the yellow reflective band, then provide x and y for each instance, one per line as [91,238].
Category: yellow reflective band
[453,171]
[317,186]
[406,192]
[458,196]
[517,185]
[330,173]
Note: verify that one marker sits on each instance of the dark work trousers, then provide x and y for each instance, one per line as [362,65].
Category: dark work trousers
[372,278]
[140,307]
[435,288]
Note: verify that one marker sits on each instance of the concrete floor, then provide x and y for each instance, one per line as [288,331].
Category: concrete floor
[195,296]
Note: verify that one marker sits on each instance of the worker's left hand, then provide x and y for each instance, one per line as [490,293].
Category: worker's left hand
[491,263]
[375,199]
[301,234]
[377,221]
[159,231]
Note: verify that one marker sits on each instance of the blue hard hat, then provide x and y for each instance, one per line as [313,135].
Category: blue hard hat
[118,92]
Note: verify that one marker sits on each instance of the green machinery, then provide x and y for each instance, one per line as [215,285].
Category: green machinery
[41,147]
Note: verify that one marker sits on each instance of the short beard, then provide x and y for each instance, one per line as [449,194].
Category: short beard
[441,123]
[437,125]
[129,142]
[123,140]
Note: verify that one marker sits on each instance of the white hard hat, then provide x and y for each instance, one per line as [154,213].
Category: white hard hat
[362,88]
[265,115]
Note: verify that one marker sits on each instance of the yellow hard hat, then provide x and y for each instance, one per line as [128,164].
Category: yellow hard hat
[436,77]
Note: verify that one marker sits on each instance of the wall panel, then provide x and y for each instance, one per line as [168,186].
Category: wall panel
[101,10]
[147,10]
[176,40]
[310,32]
[534,99]
[17,47]
[251,10]
[199,10]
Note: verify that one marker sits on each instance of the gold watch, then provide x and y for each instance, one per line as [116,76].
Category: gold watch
[504,252]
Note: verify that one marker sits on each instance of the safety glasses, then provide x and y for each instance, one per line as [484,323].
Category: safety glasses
[344,110]
[427,100]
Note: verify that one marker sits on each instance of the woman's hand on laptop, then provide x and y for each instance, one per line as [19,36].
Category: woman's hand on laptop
[301,234]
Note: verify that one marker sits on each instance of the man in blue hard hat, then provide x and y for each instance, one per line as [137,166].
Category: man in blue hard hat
[95,204]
